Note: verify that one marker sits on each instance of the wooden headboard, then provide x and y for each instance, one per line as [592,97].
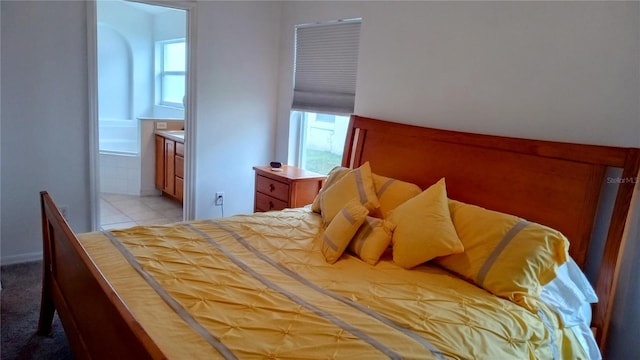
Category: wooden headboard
[551,183]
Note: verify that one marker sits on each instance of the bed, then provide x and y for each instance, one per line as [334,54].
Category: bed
[294,283]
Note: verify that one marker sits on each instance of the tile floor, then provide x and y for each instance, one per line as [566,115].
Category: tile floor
[120,211]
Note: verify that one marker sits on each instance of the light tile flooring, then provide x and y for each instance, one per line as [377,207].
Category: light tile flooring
[119,211]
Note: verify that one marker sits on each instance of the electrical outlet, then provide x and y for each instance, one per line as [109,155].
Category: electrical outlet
[161,125]
[219,199]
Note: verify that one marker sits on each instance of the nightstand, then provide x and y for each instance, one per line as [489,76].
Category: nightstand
[292,187]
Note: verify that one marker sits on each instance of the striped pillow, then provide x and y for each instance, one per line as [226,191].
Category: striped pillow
[391,193]
[504,254]
[372,239]
[358,184]
[344,225]
[334,175]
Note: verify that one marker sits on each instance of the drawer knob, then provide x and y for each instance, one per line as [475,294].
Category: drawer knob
[271,187]
[270,203]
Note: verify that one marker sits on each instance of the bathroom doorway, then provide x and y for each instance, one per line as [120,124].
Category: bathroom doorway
[135,91]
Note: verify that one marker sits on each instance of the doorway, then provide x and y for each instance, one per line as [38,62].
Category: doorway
[139,87]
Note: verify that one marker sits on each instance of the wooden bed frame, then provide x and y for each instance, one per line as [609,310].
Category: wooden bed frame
[556,184]
[95,319]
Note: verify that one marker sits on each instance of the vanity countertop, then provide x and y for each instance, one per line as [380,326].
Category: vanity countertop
[177,135]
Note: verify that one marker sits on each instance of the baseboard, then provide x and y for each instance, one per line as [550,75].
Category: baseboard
[20,258]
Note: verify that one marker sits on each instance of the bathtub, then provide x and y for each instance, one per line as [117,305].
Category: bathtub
[119,145]
[119,136]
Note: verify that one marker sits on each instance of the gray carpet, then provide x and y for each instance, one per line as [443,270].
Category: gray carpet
[19,311]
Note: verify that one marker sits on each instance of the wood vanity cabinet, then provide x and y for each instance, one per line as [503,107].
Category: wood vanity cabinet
[170,167]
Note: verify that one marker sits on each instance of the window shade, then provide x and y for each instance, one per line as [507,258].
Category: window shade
[326,62]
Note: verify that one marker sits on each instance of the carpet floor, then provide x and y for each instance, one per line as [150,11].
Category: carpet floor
[19,311]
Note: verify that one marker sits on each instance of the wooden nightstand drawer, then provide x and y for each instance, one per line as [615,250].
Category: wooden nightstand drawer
[267,203]
[273,188]
[291,187]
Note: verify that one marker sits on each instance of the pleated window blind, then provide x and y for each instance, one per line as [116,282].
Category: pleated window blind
[326,62]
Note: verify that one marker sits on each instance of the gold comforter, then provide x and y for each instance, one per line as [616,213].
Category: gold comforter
[257,286]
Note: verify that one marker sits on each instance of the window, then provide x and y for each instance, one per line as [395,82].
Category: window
[325,68]
[323,137]
[172,74]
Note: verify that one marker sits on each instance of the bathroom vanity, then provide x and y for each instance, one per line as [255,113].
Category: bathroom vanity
[170,163]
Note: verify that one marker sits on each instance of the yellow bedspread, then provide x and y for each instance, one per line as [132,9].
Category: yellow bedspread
[257,286]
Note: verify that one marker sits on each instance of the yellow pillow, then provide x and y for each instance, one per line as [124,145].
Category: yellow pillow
[372,239]
[334,175]
[423,228]
[391,193]
[357,183]
[344,225]
[504,254]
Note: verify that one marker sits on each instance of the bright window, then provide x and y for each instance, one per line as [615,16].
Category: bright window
[172,74]
[322,140]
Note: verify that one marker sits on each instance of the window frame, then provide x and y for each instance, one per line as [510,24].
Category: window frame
[162,73]
[323,87]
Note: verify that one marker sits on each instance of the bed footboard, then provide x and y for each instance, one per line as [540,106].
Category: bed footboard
[95,320]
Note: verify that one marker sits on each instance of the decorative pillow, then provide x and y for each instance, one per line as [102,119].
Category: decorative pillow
[504,254]
[423,228]
[372,239]
[357,183]
[334,175]
[391,193]
[344,225]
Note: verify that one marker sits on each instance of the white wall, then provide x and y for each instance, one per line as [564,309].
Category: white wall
[548,70]
[169,25]
[44,120]
[567,71]
[136,26]
[236,77]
